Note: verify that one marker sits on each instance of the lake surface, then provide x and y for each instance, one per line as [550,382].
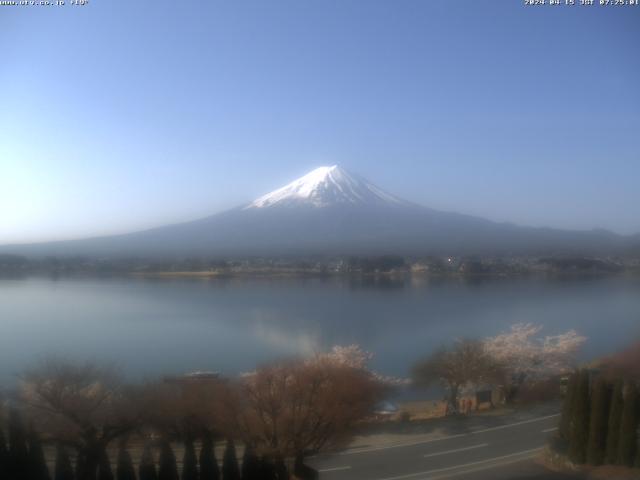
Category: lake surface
[152,327]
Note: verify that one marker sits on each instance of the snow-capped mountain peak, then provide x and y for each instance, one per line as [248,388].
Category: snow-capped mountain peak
[325,187]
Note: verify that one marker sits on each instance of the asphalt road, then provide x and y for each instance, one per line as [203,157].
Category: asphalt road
[478,452]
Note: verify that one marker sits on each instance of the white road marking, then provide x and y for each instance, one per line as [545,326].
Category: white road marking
[440,439]
[334,469]
[515,424]
[400,445]
[523,454]
[547,430]
[456,450]
[489,466]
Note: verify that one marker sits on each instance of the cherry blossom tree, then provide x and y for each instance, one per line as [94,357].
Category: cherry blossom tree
[350,356]
[529,357]
[353,356]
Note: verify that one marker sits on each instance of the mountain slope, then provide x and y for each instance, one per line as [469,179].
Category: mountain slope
[331,211]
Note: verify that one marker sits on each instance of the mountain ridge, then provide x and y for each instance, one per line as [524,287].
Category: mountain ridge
[332,211]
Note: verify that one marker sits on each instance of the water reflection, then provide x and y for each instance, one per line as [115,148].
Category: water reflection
[230,324]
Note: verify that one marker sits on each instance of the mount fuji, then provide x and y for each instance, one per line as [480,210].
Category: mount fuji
[327,187]
[331,211]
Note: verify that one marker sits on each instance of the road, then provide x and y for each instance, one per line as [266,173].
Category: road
[470,451]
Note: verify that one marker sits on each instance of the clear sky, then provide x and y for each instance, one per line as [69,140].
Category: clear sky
[123,114]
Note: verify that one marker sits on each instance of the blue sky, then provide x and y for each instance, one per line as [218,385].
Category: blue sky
[122,115]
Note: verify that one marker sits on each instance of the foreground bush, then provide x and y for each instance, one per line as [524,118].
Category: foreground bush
[600,420]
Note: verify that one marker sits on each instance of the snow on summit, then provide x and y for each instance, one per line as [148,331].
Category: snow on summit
[324,187]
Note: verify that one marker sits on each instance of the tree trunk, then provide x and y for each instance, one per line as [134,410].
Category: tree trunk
[452,401]
[302,471]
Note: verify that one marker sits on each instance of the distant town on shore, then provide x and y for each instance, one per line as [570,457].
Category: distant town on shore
[383,265]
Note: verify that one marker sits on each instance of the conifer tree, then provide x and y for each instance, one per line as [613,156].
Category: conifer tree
[600,398]
[4,456]
[36,463]
[230,470]
[167,466]
[80,464]
[628,427]
[266,470]
[124,469]
[104,467]
[281,472]
[18,451]
[189,462]
[565,419]
[208,463]
[250,464]
[63,468]
[147,467]
[615,417]
[579,427]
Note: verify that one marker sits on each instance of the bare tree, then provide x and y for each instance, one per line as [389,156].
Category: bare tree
[463,364]
[183,408]
[290,409]
[84,406]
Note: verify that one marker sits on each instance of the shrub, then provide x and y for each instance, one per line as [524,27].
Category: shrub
[600,398]
[615,417]
[104,467]
[250,465]
[230,470]
[189,462]
[125,470]
[167,467]
[208,464]
[628,427]
[63,469]
[147,467]
[579,426]
[18,451]
[567,404]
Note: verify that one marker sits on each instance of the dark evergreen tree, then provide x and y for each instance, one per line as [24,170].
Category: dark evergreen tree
[189,462]
[250,464]
[615,417]
[565,418]
[37,465]
[266,470]
[147,467]
[4,456]
[124,469]
[600,397]
[80,465]
[208,463]
[579,426]
[104,466]
[63,468]
[230,469]
[628,427]
[281,472]
[167,466]
[18,451]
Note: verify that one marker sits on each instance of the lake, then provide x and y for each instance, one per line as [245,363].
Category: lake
[150,327]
